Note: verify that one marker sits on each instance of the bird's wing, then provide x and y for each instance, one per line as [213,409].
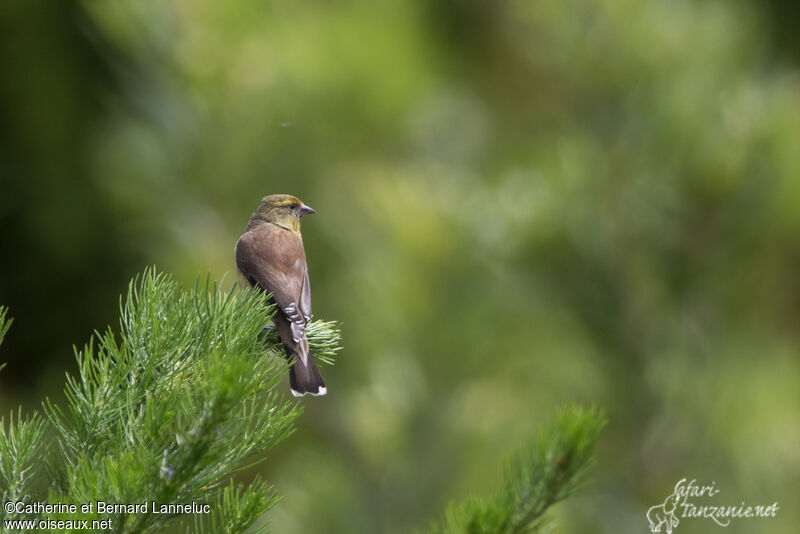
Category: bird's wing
[274,259]
[305,297]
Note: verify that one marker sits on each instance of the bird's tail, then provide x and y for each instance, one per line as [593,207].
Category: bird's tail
[305,378]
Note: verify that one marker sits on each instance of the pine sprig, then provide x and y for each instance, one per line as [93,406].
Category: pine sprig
[324,338]
[536,478]
[21,444]
[5,324]
[236,507]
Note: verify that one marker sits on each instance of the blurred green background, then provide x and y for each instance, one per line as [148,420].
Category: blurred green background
[520,204]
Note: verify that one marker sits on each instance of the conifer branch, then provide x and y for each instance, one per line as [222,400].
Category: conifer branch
[166,411]
[21,443]
[536,478]
[5,324]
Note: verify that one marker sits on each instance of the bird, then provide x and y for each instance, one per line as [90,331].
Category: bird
[271,256]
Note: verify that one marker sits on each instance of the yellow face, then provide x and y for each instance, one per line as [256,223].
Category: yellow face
[283,210]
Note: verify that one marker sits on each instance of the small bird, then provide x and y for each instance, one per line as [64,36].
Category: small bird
[271,257]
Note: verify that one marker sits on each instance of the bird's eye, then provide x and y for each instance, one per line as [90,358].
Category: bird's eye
[292,206]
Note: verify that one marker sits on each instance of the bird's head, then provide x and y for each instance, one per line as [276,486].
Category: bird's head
[283,210]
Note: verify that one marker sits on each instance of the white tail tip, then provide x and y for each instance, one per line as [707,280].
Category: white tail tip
[322,391]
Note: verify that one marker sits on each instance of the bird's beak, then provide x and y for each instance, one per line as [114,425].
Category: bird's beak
[306,210]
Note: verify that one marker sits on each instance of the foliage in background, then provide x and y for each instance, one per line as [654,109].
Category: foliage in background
[537,477]
[519,205]
[167,411]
